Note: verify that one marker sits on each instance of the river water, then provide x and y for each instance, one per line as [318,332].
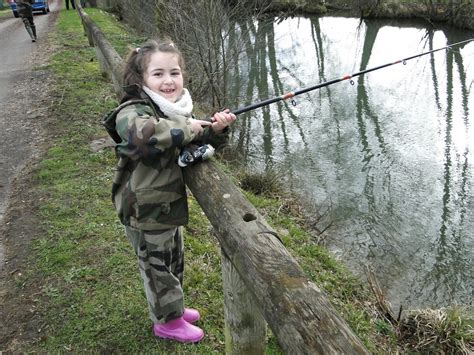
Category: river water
[385,163]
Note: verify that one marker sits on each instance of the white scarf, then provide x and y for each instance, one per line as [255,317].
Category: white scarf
[182,107]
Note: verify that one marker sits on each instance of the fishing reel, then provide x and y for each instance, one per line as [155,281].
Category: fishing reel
[192,154]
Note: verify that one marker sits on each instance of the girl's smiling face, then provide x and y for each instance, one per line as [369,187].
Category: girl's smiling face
[163,75]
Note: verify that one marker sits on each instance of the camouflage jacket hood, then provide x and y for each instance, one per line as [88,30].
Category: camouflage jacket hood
[148,188]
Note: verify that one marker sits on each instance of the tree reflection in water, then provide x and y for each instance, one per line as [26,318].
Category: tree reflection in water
[392,153]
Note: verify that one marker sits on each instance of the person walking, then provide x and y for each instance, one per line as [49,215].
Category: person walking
[73,4]
[25,10]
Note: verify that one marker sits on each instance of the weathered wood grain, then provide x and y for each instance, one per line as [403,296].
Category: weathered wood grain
[296,310]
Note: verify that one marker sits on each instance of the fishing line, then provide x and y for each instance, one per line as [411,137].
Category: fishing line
[292,94]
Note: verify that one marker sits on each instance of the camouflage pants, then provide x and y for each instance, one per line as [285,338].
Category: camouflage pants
[161,263]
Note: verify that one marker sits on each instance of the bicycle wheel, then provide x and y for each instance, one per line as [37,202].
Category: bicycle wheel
[28,28]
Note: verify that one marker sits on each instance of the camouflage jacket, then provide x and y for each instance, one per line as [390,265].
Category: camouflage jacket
[148,188]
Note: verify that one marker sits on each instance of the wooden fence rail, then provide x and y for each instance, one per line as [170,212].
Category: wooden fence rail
[263,283]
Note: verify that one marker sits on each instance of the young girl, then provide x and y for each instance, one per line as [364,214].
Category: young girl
[150,126]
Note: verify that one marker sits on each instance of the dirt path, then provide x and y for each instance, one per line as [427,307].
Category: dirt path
[18,90]
[25,104]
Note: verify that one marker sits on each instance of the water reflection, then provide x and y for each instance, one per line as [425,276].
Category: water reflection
[391,154]
[452,263]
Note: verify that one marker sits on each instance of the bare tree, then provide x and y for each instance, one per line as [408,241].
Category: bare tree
[211,39]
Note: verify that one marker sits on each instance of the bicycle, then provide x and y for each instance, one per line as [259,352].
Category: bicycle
[27,24]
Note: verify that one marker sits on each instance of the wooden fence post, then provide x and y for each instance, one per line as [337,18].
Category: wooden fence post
[111,64]
[245,327]
[297,311]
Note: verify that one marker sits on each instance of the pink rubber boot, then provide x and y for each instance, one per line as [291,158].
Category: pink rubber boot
[191,315]
[180,330]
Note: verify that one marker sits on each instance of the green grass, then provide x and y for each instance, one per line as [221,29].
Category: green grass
[93,298]
[4,6]
[5,11]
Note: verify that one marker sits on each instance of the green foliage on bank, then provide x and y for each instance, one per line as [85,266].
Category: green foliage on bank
[5,12]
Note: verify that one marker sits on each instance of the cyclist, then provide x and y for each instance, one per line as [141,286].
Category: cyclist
[25,10]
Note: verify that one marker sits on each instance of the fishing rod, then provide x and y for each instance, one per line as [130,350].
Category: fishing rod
[291,94]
